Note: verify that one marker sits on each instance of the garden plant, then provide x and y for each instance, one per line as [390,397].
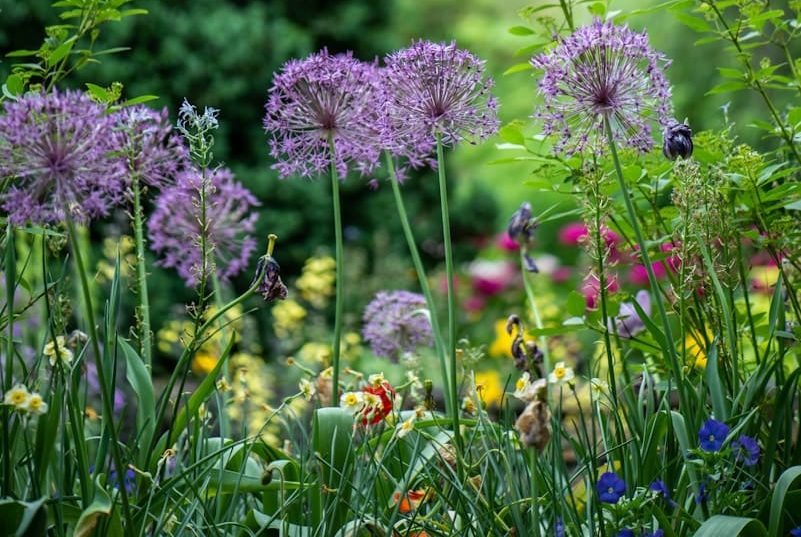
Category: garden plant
[642,379]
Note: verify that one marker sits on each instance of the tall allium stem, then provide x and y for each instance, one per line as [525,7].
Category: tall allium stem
[145,340]
[446,237]
[106,396]
[10,269]
[338,305]
[535,312]
[660,305]
[422,279]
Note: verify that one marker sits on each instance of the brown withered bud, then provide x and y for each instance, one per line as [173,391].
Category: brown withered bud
[534,425]
[428,399]
[268,275]
[526,354]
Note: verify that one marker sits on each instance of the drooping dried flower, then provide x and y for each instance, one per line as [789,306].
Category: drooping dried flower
[436,89]
[60,153]
[602,71]
[534,425]
[678,141]
[322,109]
[174,227]
[154,152]
[397,322]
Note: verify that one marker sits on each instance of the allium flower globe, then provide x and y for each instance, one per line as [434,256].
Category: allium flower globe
[59,152]
[154,152]
[397,322]
[174,226]
[436,89]
[322,101]
[603,71]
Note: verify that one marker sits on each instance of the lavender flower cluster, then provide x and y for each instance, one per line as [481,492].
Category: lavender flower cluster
[396,322]
[332,109]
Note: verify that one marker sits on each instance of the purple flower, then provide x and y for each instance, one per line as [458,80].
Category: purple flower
[154,152]
[712,435]
[625,532]
[796,532]
[559,528]
[746,450]
[60,153]
[657,533]
[610,487]
[174,227]
[602,71]
[703,494]
[436,89]
[628,323]
[322,101]
[396,322]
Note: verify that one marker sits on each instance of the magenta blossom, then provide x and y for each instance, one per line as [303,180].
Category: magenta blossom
[591,289]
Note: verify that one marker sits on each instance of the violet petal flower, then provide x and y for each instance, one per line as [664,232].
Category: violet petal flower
[436,89]
[321,101]
[628,323]
[746,450]
[60,152]
[712,435]
[174,226]
[610,487]
[602,71]
[396,322]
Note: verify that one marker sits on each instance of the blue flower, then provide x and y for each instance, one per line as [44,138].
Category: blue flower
[559,528]
[657,533]
[796,532]
[625,532]
[659,487]
[712,435]
[702,496]
[746,450]
[610,487]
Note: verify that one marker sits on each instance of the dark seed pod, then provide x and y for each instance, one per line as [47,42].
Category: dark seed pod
[678,141]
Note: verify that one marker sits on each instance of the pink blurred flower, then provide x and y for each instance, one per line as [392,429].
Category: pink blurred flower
[475,304]
[505,242]
[591,289]
[572,233]
[491,277]
[638,275]
[561,274]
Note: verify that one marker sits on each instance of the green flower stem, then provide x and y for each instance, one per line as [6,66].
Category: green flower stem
[106,396]
[219,304]
[530,295]
[145,337]
[660,305]
[446,236]
[338,305]
[423,279]
[535,510]
[10,269]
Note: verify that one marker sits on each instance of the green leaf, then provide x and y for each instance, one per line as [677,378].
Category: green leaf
[576,304]
[512,133]
[99,92]
[521,30]
[139,100]
[332,440]
[727,87]
[140,380]
[60,51]
[713,381]
[518,68]
[23,519]
[15,85]
[100,507]
[788,481]
[731,526]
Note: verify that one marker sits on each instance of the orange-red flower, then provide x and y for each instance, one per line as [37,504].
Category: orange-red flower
[384,396]
[409,501]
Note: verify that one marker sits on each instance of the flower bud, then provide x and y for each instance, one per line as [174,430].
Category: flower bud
[678,141]
[521,227]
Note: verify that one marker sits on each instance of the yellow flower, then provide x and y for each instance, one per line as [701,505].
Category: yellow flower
[314,352]
[204,362]
[288,317]
[316,283]
[695,349]
[57,351]
[561,374]
[307,389]
[35,405]
[17,396]
[489,387]
[376,379]
[502,345]
[599,389]
[405,427]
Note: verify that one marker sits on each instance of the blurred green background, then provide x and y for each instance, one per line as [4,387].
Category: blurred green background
[222,53]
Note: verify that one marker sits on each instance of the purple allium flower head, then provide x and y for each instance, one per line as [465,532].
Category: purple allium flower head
[746,450]
[610,487]
[602,71]
[322,99]
[174,226]
[628,323]
[396,322]
[154,152]
[436,89]
[60,153]
[712,435]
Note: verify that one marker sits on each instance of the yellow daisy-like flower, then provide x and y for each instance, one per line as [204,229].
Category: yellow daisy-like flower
[17,396]
[35,405]
[521,386]
[489,387]
[561,374]
[405,427]
[57,351]
[376,379]
[352,402]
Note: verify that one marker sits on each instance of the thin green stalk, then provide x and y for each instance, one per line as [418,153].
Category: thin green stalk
[674,362]
[535,495]
[108,408]
[446,236]
[543,342]
[145,338]
[10,270]
[423,279]
[338,305]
